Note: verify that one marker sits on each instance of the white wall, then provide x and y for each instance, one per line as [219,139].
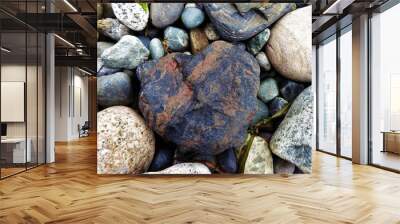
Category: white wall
[71,102]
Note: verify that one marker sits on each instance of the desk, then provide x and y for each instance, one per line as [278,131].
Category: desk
[391,141]
[13,150]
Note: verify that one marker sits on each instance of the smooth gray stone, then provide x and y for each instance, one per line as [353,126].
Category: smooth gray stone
[289,48]
[268,90]
[293,139]
[263,61]
[274,11]
[114,89]
[192,17]
[165,14]
[128,53]
[156,48]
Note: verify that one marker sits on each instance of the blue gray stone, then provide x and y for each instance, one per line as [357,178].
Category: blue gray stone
[128,53]
[282,166]
[231,24]
[163,158]
[176,38]
[277,104]
[262,112]
[227,161]
[145,41]
[102,46]
[268,90]
[292,141]
[156,48]
[255,44]
[192,17]
[188,100]
[165,14]
[103,70]
[290,90]
[114,89]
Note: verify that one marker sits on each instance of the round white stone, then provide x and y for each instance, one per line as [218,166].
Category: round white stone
[289,46]
[125,145]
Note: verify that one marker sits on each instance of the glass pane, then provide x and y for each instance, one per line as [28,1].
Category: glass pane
[346,94]
[41,99]
[327,96]
[13,86]
[32,98]
[385,84]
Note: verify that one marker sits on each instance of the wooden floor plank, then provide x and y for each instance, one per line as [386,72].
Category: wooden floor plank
[70,191]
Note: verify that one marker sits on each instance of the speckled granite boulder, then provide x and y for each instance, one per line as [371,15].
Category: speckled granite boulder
[112,28]
[184,169]
[289,46]
[114,89]
[259,160]
[125,145]
[164,14]
[203,103]
[133,15]
[292,140]
[128,53]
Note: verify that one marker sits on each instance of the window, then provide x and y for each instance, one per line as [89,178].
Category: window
[346,92]
[385,89]
[327,96]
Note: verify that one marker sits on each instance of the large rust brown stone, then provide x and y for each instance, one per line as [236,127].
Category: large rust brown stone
[203,103]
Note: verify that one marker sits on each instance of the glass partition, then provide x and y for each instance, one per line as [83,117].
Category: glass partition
[22,77]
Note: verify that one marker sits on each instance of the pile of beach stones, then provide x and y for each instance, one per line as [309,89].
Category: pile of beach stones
[204,88]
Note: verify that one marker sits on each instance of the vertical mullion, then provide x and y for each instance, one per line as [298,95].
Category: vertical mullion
[338,98]
[26,86]
[0,92]
[369,90]
[37,90]
[317,96]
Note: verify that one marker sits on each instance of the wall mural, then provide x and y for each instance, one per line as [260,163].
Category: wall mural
[206,88]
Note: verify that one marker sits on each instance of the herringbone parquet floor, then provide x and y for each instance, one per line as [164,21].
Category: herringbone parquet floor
[69,191]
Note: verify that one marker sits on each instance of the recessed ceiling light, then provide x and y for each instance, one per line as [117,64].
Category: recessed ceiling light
[70,5]
[64,40]
[5,50]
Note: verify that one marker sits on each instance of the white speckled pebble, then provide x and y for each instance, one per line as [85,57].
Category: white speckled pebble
[125,145]
[184,168]
[133,15]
